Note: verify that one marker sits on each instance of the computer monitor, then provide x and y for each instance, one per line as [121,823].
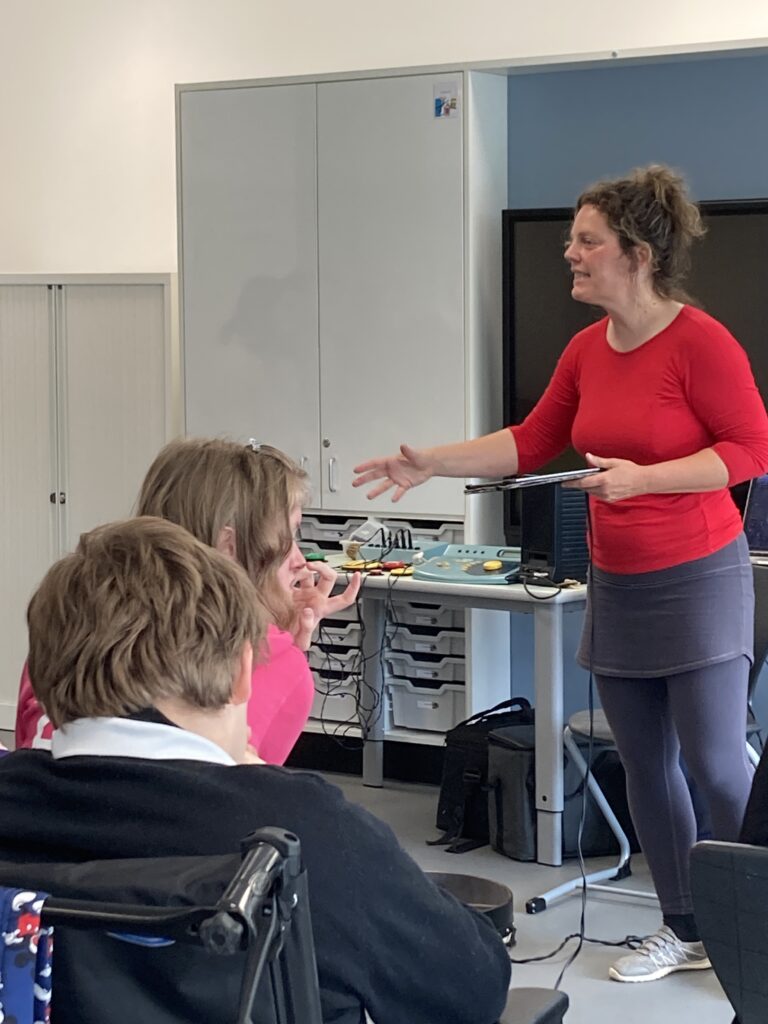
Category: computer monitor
[756,516]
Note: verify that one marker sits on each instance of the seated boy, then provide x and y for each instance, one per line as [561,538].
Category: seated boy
[141,645]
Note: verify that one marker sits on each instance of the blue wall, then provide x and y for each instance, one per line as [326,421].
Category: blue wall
[707,118]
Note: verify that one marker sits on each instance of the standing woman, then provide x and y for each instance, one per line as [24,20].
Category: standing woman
[246,501]
[661,397]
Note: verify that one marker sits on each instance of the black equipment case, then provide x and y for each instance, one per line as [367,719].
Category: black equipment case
[462,810]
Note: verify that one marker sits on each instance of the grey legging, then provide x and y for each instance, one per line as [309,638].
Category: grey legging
[702,712]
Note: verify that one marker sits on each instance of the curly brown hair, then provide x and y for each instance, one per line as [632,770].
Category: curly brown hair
[651,207]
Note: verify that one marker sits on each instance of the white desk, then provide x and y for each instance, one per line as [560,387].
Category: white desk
[548,679]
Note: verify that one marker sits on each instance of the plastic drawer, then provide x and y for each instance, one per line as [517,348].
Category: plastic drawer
[345,615]
[335,698]
[421,707]
[327,529]
[427,640]
[335,659]
[341,633]
[417,613]
[426,666]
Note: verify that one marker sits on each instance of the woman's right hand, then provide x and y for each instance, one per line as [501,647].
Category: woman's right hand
[408,469]
[313,601]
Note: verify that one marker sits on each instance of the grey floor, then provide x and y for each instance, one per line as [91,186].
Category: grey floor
[693,996]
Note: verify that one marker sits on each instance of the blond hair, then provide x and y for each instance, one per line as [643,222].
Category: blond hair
[141,611]
[651,207]
[206,485]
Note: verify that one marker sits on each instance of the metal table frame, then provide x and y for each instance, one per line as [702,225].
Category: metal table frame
[548,679]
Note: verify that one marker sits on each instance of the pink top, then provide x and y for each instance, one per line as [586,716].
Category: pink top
[282,689]
[33,727]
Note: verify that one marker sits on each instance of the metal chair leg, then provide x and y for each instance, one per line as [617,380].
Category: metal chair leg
[538,904]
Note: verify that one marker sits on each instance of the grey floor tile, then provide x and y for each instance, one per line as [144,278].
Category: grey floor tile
[694,997]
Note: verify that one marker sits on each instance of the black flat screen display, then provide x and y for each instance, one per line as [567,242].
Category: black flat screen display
[756,516]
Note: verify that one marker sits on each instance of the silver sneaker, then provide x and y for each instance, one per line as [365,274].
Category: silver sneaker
[661,954]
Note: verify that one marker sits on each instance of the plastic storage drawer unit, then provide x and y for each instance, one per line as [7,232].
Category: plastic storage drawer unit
[427,640]
[335,698]
[426,666]
[422,707]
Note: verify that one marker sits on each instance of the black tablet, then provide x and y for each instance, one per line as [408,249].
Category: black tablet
[509,483]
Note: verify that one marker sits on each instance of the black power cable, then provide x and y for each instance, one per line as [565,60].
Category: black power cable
[629,941]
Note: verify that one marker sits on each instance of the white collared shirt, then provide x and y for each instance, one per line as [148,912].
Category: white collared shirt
[125,737]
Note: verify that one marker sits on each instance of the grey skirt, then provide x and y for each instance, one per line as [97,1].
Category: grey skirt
[673,620]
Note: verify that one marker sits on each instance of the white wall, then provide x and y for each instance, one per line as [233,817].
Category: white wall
[87,115]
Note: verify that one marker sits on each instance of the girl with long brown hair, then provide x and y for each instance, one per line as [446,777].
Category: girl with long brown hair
[246,501]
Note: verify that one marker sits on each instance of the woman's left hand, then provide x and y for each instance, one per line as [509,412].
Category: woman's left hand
[620,479]
[312,598]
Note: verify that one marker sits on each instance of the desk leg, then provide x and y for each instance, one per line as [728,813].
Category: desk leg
[548,680]
[372,696]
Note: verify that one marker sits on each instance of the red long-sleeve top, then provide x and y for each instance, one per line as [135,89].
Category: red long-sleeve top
[688,388]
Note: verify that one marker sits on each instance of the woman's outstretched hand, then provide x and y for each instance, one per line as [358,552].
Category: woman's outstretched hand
[313,601]
[409,468]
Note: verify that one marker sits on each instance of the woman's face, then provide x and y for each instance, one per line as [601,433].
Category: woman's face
[602,271]
[294,561]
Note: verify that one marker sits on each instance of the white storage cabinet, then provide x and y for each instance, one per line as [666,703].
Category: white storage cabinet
[85,384]
[339,251]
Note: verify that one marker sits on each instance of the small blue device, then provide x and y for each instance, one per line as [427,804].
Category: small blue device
[469,563]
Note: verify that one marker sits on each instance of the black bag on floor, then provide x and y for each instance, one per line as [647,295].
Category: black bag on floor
[512,799]
[462,810]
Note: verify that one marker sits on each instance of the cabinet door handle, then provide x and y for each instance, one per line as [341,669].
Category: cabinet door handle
[303,463]
[61,497]
[332,480]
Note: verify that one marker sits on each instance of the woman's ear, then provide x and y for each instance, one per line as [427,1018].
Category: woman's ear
[225,543]
[644,256]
